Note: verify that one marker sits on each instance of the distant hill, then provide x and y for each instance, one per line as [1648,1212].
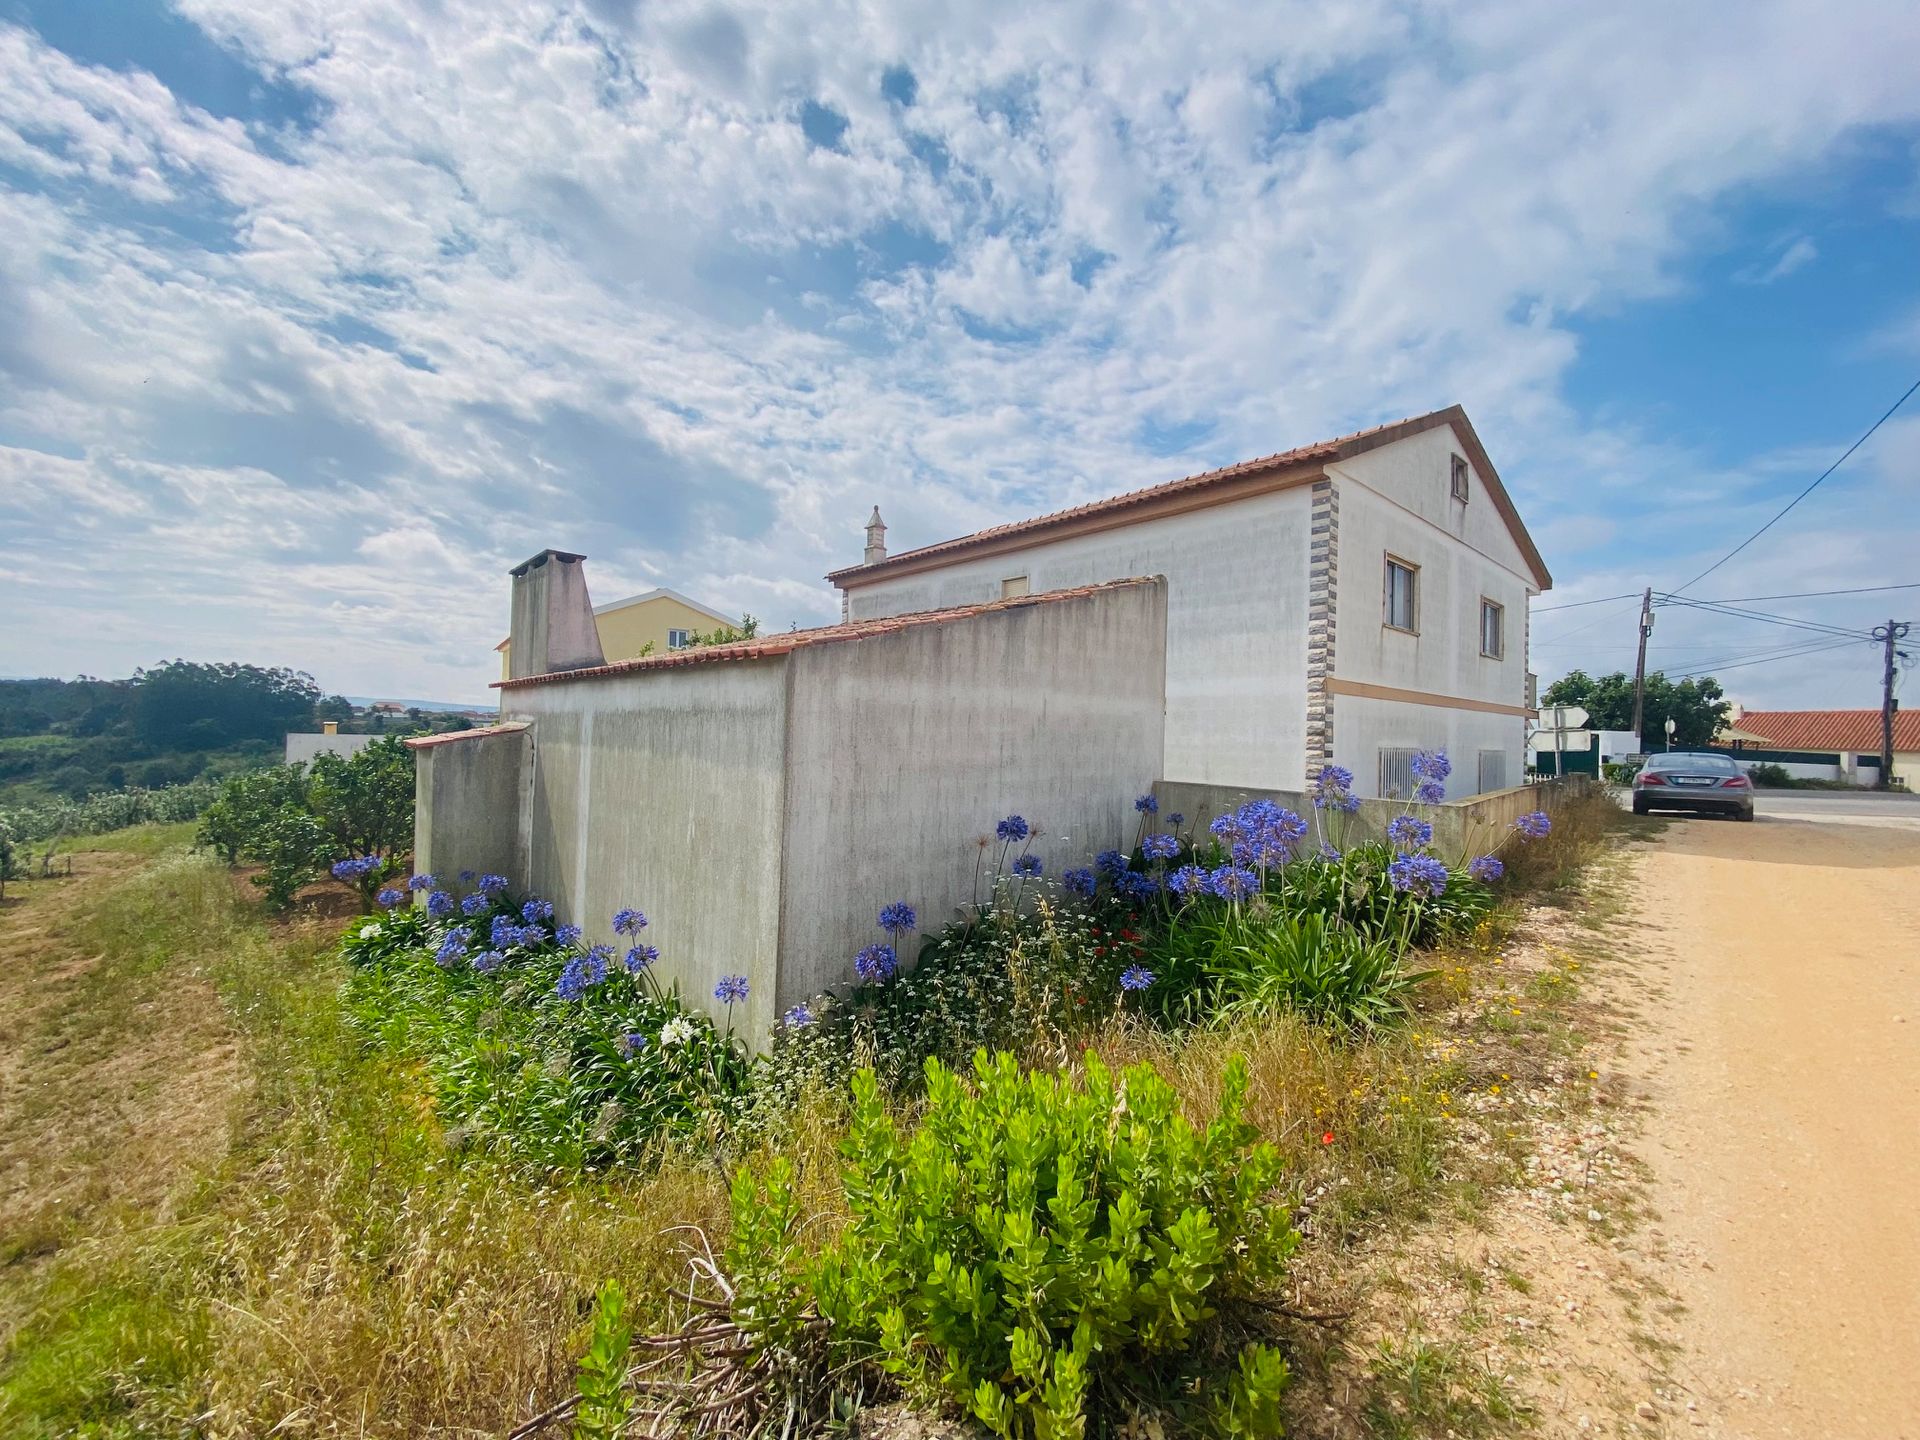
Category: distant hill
[439,706]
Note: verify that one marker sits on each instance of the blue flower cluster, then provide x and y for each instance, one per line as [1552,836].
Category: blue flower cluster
[453,948]
[1417,874]
[876,963]
[1409,832]
[487,961]
[1160,847]
[628,922]
[898,918]
[641,957]
[732,989]
[1430,770]
[1486,869]
[1135,977]
[1147,804]
[1136,886]
[1190,881]
[1260,834]
[390,897]
[1080,881]
[1233,882]
[422,882]
[440,905]
[493,884]
[1110,863]
[536,910]
[1012,829]
[1028,866]
[1534,825]
[356,868]
[568,934]
[1333,790]
[798,1018]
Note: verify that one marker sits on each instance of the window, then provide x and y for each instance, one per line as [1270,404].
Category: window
[1012,586]
[1493,629]
[1396,774]
[1403,609]
[1460,490]
[1493,771]
[676,639]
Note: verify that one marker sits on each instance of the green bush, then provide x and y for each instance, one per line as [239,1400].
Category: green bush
[1038,1250]
[1774,777]
[1325,969]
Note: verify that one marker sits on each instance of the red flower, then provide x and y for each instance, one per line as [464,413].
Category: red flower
[1326,1138]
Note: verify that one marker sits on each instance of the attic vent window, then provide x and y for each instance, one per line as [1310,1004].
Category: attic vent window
[1013,587]
[677,639]
[1460,491]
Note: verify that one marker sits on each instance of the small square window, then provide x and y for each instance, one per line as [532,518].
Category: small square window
[1012,586]
[1403,601]
[676,639]
[1493,629]
[1396,774]
[1460,488]
[1493,771]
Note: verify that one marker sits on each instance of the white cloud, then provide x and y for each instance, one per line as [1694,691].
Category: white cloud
[1791,257]
[551,273]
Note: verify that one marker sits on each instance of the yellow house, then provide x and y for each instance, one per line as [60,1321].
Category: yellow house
[662,618]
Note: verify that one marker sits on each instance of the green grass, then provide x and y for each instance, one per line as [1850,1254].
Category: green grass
[1424,1388]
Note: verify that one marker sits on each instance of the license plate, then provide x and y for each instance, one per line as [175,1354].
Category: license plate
[1691,780]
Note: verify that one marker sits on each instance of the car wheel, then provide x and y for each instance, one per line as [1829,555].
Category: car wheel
[1745,814]
[1639,806]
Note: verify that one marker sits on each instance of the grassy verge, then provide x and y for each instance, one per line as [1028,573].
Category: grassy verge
[304,1252]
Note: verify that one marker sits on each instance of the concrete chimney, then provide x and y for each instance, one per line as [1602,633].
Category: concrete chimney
[553,625]
[329,727]
[876,539]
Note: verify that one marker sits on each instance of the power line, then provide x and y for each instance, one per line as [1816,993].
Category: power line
[1549,609]
[1803,494]
[1767,660]
[1796,595]
[1790,621]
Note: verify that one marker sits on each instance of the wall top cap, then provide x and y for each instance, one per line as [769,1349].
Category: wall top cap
[542,558]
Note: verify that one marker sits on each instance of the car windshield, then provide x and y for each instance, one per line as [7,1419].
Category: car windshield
[1693,762]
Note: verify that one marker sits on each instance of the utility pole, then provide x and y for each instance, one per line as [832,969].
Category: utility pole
[1640,670]
[1893,632]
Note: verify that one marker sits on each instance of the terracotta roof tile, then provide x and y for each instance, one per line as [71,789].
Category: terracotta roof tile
[1304,457]
[423,742]
[1854,730]
[770,646]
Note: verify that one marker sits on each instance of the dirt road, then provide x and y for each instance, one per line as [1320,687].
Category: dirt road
[1782,1071]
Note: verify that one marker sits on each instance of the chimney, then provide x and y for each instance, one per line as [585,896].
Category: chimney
[553,627]
[876,539]
[329,727]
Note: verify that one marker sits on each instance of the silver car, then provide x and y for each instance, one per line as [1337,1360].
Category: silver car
[1706,783]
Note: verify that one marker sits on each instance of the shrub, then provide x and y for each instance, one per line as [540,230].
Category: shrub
[1774,777]
[1038,1249]
[1327,970]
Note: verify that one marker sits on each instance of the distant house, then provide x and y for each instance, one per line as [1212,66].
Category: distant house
[303,747]
[1349,602]
[662,618]
[1808,742]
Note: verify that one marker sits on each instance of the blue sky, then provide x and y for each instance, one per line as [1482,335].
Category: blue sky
[314,318]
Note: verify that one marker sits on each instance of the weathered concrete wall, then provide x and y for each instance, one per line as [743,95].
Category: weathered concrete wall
[1236,622]
[468,793]
[1461,829]
[662,789]
[303,747]
[1365,727]
[904,748]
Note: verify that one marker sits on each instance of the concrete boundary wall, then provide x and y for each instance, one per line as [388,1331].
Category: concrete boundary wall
[469,792]
[1462,829]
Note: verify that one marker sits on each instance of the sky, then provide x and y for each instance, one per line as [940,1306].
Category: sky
[317,316]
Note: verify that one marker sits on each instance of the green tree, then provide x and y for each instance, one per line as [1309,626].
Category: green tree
[364,801]
[1697,706]
[182,704]
[748,627]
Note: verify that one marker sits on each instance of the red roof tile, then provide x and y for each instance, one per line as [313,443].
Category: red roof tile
[1855,730]
[768,647]
[509,727]
[1305,458]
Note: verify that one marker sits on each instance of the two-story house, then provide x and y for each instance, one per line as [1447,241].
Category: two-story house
[651,623]
[1348,602]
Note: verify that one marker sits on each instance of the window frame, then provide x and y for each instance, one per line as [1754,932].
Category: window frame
[1399,757]
[686,638]
[1487,603]
[1413,593]
[1460,480]
[1013,587]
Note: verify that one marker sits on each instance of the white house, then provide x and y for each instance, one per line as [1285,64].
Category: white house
[1351,601]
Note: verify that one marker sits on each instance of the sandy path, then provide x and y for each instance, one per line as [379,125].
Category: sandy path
[1783,1073]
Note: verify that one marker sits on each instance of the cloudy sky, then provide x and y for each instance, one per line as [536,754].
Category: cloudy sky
[316,315]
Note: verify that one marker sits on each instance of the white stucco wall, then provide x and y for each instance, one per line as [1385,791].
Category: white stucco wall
[662,790]
[905,748]
[1397,500]
[1236,623]
[303,747]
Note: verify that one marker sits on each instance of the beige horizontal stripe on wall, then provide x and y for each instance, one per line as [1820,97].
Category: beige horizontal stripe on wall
[1361,691]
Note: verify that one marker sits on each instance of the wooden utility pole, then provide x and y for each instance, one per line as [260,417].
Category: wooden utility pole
[1640,670]
[1892,633]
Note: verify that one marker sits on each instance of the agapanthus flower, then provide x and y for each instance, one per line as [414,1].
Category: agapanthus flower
[1080,881]
[596,962]
[732,989]
[1139,887]
[1160,847]
[876,963]
[493,884]
[575,980]
[1409,832]
[1234,882]
[1486,868]
[798,1018]
[1227,829]
[628,922]
[488,961]
[633,1042]
[440,904]
[1110,863]
[678,1031]
[1417,874]
[1013,828]
[535,910]
[898,918]
[504,931]
[1147,804]
[466,877]
[1189,880]
[567,934]
[1028,865]
[390,897]
[1430,765]
[640,957]
[475,904]
[1534,825]
[1176,819]
[355,868]
[1135,977]
[422,882]
[1327,852]
[1429,792]
[454,946]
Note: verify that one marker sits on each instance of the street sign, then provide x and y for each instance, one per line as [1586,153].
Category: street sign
[1563,717]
